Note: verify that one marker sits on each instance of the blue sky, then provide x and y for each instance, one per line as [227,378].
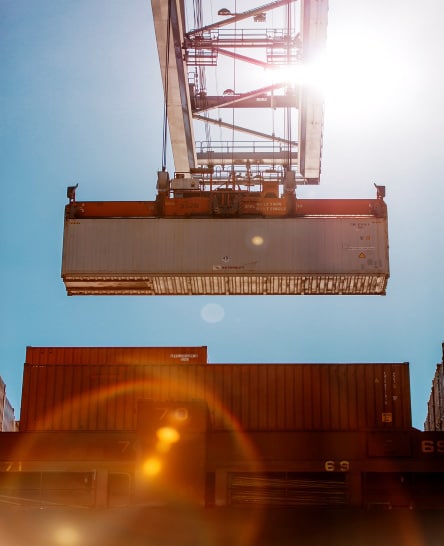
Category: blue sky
[81,102]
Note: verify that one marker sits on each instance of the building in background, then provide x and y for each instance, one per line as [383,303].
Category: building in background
[435,409]
[7,417]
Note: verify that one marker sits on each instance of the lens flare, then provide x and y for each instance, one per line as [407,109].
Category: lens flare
[313,74]
[66,536]
[181,414]
[212,312]
[257,240]
[169,435]
[152,466]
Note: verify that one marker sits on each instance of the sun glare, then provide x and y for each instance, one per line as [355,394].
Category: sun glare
[364,74]
[66,536]
[152,466]
[168,435]
[312,74]
[257,240]
[358,72]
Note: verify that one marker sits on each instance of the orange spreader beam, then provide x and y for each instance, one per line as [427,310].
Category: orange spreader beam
[229,205]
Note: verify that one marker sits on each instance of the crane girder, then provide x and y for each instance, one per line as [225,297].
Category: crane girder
[204,103]
[232,101]
[314,37]
[240,16]
[175,84]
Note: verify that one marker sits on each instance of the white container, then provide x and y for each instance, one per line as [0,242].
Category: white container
[316,255]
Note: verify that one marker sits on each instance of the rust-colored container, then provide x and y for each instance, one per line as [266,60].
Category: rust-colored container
[116,355]
[239,396]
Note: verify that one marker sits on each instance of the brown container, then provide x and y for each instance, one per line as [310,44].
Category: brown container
[116,355]
[239,396]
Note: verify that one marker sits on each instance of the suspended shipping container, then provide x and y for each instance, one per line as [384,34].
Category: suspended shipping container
[253,396]
[255,256]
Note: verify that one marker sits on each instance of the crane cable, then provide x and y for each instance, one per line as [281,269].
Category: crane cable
[201,75]
[233,109]
[288,109]
[165,89]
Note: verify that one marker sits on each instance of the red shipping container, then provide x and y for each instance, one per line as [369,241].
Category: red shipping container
[116,355]
[77,396]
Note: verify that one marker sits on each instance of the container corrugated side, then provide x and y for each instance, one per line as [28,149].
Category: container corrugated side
[149,256]
[116,355]
[246,396]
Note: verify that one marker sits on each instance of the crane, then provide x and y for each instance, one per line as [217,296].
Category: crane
[228,221]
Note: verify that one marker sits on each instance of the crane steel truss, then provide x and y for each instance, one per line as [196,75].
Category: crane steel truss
[299,40]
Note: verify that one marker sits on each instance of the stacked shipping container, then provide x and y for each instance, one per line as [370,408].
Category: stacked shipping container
[100,388]
[116,355]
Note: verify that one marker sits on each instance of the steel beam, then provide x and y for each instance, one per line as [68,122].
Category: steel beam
[246,130]
[233,100]
[241,158]
[240,16]
[201,104]
[311,101]
[175,85]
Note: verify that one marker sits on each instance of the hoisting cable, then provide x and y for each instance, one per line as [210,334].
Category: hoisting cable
[233,175]
[165,88]
[288,109]
[201,77]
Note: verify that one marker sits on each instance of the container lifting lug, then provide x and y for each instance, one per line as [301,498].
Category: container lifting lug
[380,191]
[71,193]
